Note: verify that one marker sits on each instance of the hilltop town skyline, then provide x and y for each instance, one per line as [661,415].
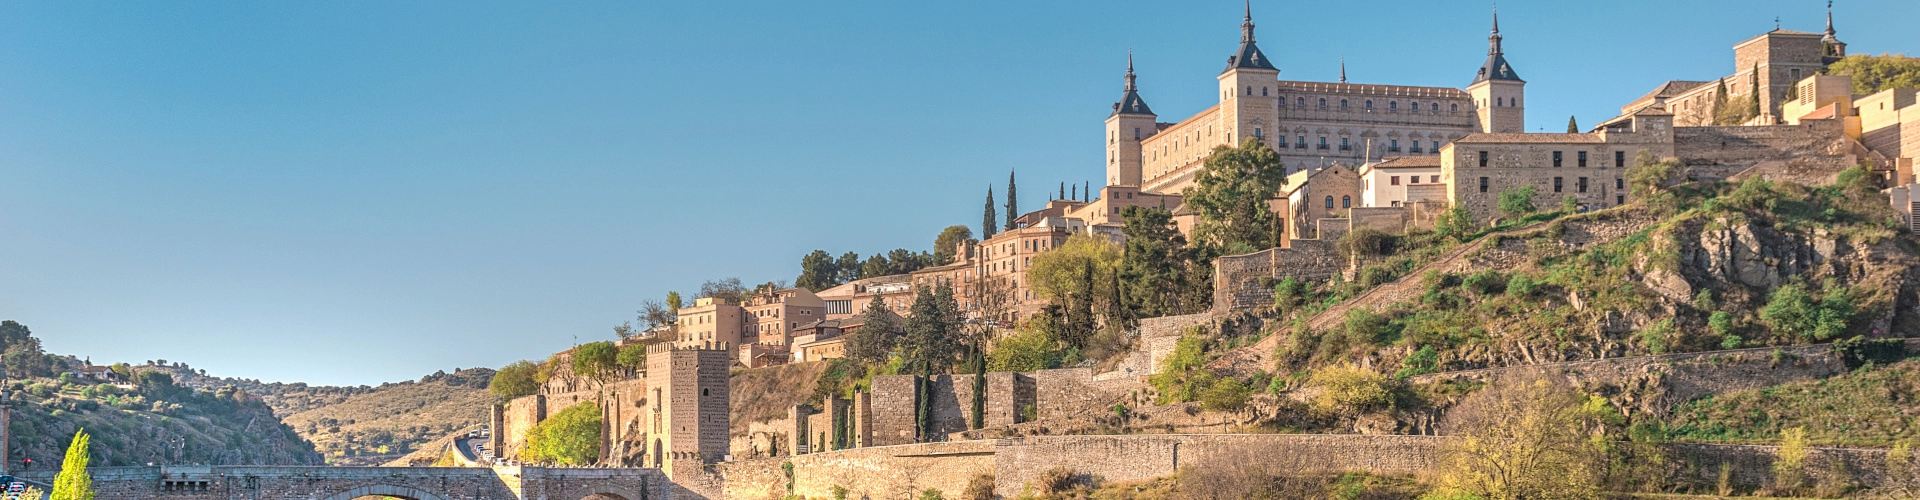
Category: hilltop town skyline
[316,193]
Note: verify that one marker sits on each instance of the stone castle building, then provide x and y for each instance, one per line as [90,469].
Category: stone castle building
[1310,124]
[1775,61]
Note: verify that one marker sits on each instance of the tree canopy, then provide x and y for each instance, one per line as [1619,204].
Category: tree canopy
[1230,195]
[597,361]
[1157,268]
[73,481]
[514,380]
[931,338]
[1876,73]
[948,240]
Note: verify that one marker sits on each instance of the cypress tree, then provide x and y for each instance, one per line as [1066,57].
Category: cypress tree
[1086,191]
[1063,191]
[988,224]
[1013,201]
[1753,87]
[1076,193]
[1573,127]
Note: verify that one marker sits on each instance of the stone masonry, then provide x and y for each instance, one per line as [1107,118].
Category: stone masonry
[347,483]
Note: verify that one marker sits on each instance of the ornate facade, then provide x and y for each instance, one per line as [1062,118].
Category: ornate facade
[1311,124]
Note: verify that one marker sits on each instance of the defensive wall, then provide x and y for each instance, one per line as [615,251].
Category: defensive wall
[621,404]
[1245,282]
[1016,463]
[900,471]
[1720,152]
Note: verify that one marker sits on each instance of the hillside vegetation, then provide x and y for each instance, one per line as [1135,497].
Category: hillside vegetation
[143,417]
[1873,406]
[393,419]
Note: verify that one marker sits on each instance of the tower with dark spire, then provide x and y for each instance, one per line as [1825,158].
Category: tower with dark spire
[1831,43]
[1130,122]
[1249,88]
[1498,92]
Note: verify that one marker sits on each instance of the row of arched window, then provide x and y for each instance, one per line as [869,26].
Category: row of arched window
[1345,201]
[1392,106]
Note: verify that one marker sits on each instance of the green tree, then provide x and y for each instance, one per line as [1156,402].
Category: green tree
[992,221]
[1573,126]
[1872,74]
[597,361]
[13,333]
[849,267]
[945,244]
[674,303]
[514,380]
[632,356]
[1077,276]
[1155,264]
[1456,223]
[1753,92]
[932,334]
[1517,201]
[571,437]
[1013,202]
[875,266]
[73,482]
[1648,175]
[875,339]
[817,272]
[1231,193]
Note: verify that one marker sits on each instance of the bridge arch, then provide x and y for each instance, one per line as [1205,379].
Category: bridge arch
[386,490]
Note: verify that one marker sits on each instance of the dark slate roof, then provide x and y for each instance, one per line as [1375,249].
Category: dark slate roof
[1497,68]
[1249,57]
[1132,104]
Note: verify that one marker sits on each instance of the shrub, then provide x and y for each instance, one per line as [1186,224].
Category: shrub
[1182,374]
[1656,336]
[1028,349]
[1790,458]
[979,488]
[1228,394]
[1347,389]
[1055,481]
[1791,308]
[1518,201]
[1455,223]
[1524,440]
[571,437]
[1421,362]
[1520,286]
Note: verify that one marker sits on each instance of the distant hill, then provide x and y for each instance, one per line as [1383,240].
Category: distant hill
[365,425]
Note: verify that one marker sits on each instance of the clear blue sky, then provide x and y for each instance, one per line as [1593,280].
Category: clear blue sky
[358,192]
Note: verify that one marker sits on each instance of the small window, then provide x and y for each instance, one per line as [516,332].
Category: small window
[1434,179]
[1346,202]
[1453,107]
[1483,158]
[1323,102]
[1499,101]
[1582,186]
[1556,184]
[1263,91]
[1556,159]
[1249,90]
[1344,146]
[1413,179]
[1323,142]
[1620,199]
[1393,105]
[1369,104]
[1436,146]
[1300,101]
[1483,184]
[1329,202]
[1136,134]
[1256,133]
[1343,103]
[1620,159]
[1619,183]
[1303,142]
[1581,159]
[1393,181]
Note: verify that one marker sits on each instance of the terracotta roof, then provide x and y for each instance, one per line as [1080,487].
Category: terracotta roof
[1409,161]
[1670,89]
[1530,138]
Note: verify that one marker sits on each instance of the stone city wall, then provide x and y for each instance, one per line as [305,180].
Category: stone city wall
[1719,152]
[1244,282]
[1007,394]
[893,409]
[901,471]
[1019,461]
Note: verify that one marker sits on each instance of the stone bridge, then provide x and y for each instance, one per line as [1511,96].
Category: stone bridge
[410,483]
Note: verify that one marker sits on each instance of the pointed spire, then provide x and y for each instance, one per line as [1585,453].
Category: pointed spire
[1246,25]
[1830,34]
[1130,86]
[1493,40]
[1130,101]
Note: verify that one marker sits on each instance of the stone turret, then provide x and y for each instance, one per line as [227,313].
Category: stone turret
[1130,122]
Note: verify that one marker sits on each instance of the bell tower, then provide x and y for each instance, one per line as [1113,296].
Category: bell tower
[1498,92]
[1249,89]
[1131,122]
